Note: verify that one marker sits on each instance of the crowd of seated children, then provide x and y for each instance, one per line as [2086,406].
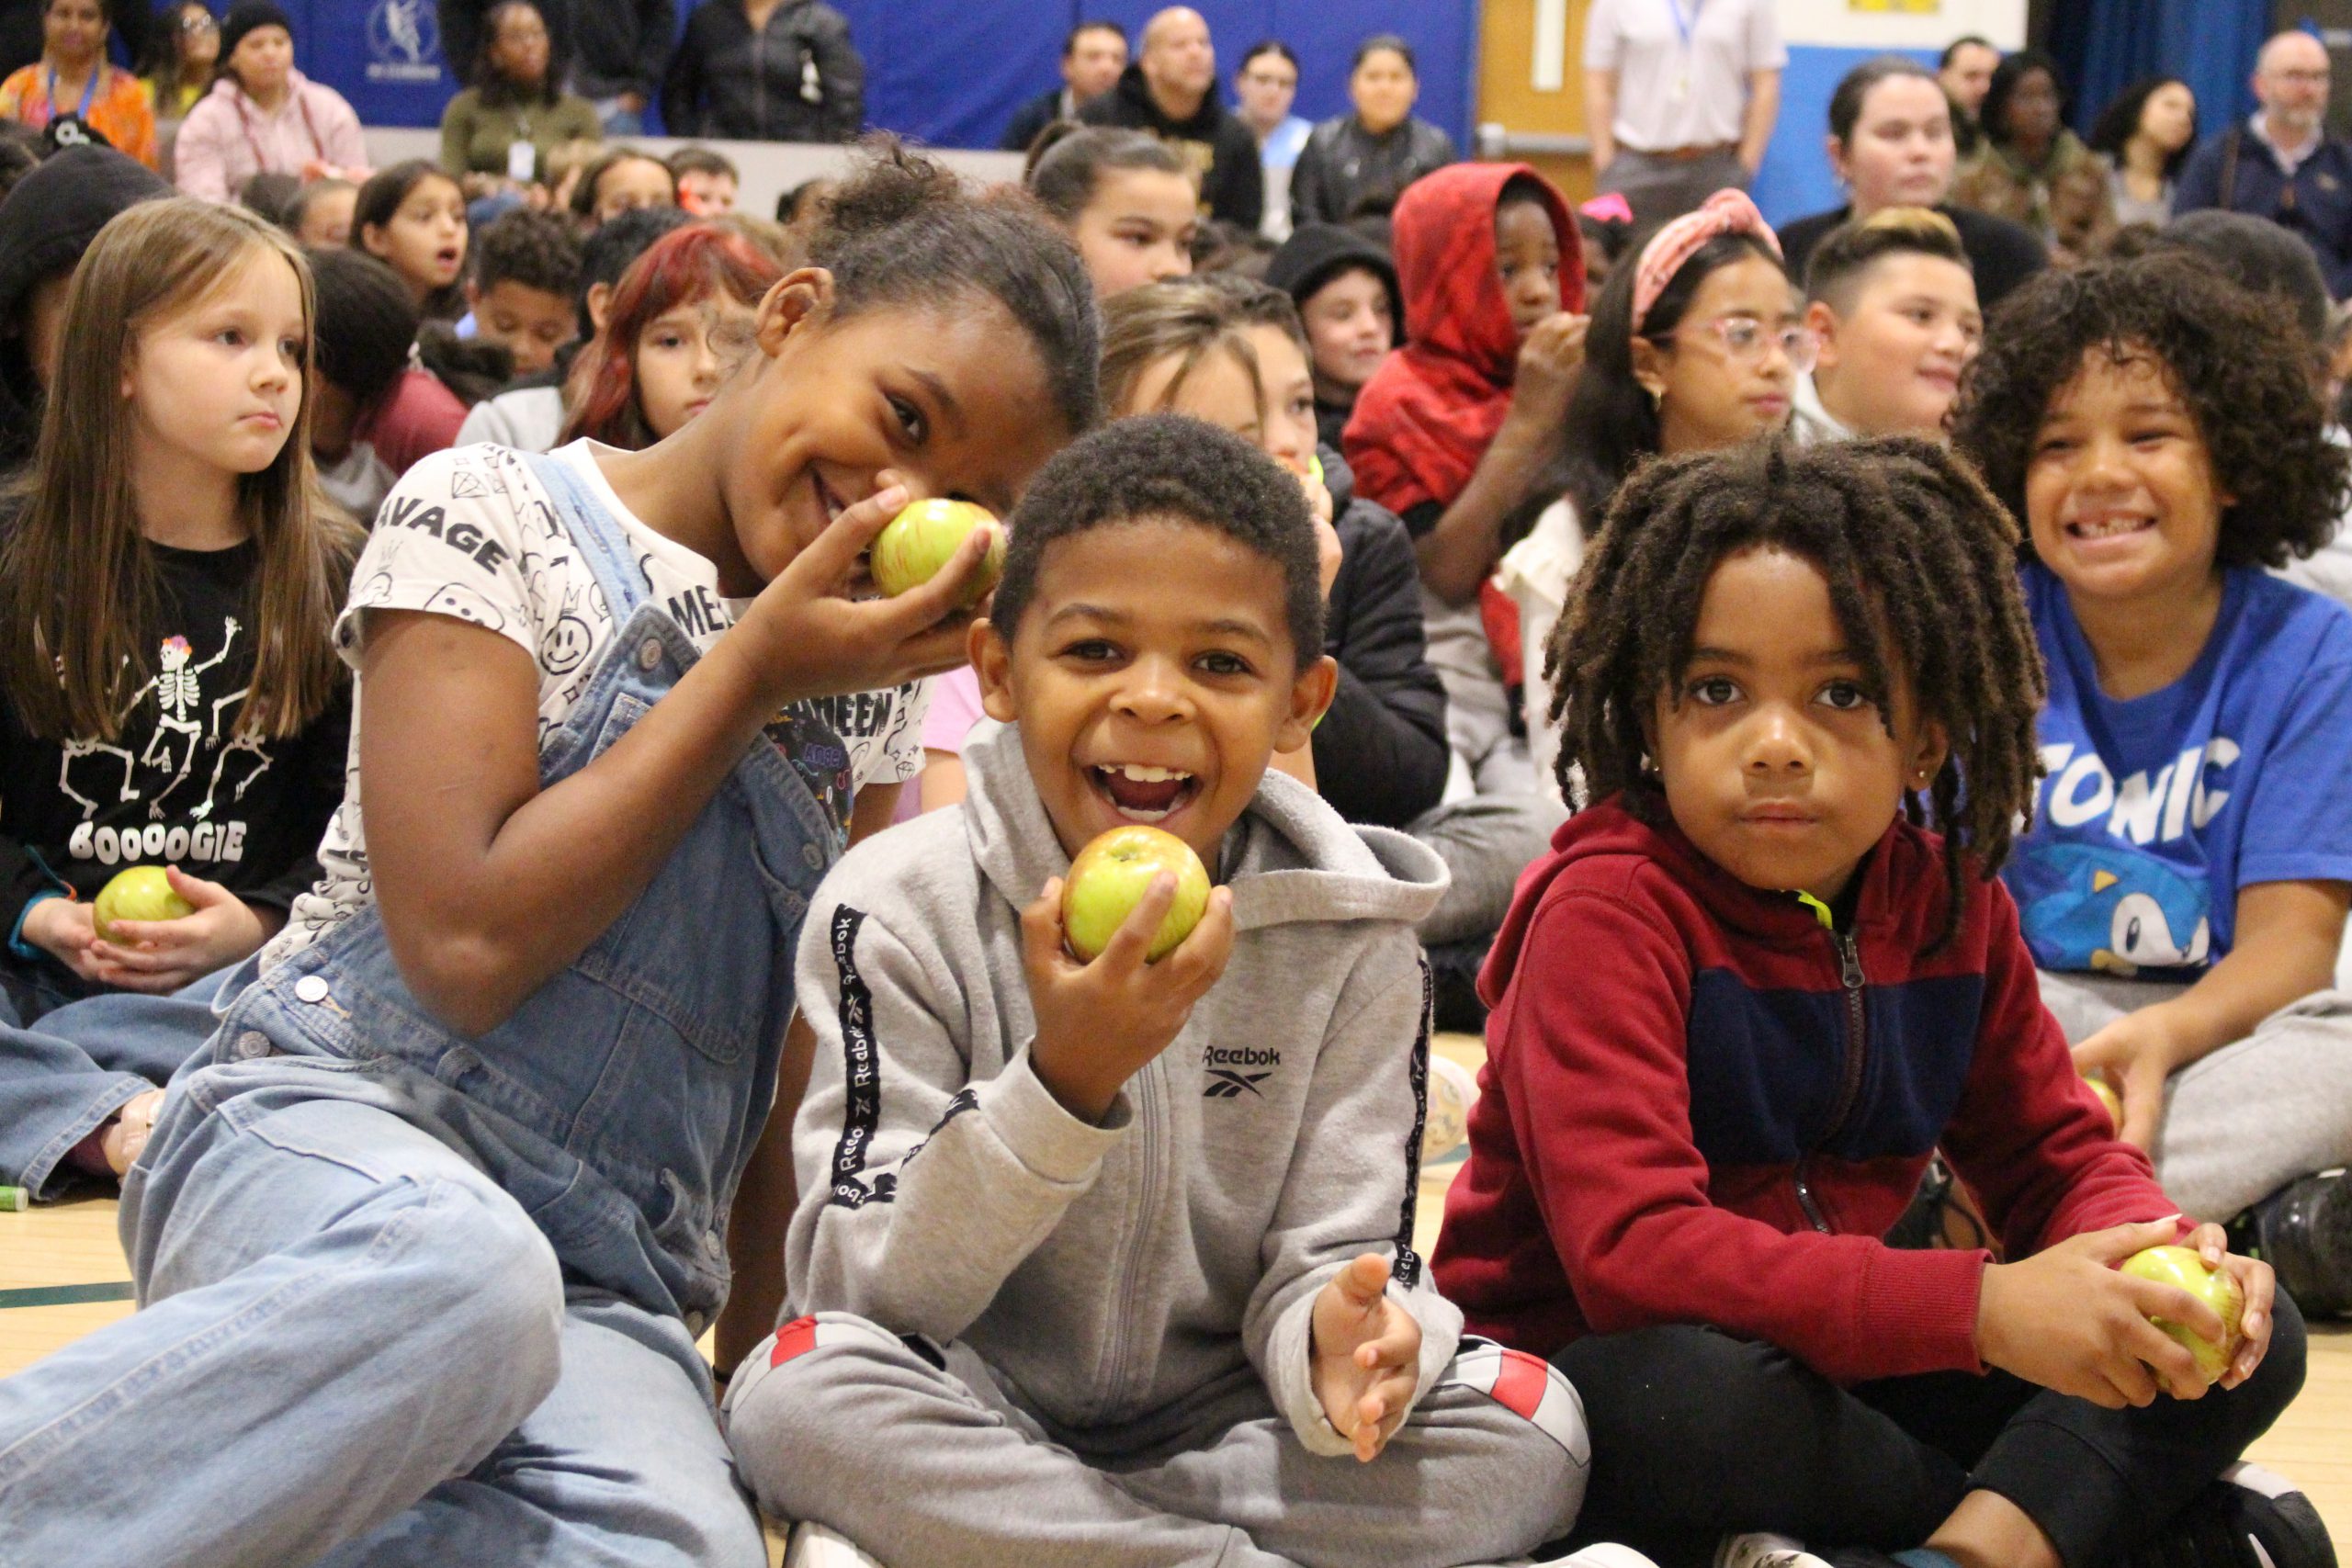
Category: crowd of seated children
[529,416]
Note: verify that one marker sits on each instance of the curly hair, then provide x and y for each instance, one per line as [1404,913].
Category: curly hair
[537,250]
[1160,466]
[1921,566]
[2236,359]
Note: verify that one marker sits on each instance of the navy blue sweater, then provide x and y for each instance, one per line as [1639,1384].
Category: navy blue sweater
[2316,203]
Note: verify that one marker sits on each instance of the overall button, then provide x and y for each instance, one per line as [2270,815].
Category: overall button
[649,653]
[310,988]
[252,1045]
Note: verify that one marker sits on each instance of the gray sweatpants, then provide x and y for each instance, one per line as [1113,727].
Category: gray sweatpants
[1486,841]
[2248,1119]
[925,1466]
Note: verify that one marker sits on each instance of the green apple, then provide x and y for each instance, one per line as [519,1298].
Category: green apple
[1110,877]
[915,545]
[2108,1098]
[2217,1288]
[142,892]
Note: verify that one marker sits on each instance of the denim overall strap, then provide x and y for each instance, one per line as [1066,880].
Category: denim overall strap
[619,1102]
[603,543]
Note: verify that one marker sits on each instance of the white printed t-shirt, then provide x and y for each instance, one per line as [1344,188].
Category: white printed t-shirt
[471,532]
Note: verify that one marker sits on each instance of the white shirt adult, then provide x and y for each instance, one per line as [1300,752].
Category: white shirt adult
[1670,75]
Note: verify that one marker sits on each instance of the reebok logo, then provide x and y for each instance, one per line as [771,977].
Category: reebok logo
[1225,1079]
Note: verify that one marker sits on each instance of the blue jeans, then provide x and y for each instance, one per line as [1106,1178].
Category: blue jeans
[414,1297]
[82,1063]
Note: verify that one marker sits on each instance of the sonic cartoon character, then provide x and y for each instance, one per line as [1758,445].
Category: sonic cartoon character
[2109,908]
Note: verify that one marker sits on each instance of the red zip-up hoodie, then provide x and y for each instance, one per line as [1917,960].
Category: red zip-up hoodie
[1701,1106]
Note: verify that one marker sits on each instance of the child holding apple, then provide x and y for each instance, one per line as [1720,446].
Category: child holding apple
[169,694]
[2184,883]
[1113,1261]
[1745,999]
[425,1237]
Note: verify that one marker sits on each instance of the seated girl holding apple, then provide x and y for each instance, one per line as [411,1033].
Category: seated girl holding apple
[1742,1002]
[2184,884]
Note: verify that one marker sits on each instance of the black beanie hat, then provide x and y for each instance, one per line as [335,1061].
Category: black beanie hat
[244,18]
[1317,252]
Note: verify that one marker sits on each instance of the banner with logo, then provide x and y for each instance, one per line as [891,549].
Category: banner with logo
[384,55]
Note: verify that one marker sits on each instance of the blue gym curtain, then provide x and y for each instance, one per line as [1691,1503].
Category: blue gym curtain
[947,72]
[2106,45]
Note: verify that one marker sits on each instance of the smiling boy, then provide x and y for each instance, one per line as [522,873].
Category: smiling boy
[1145,1229]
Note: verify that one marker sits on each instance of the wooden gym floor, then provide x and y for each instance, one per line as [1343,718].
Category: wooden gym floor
[62,1275]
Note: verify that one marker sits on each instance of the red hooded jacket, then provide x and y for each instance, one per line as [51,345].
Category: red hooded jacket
[1699,1106]
[1429,412]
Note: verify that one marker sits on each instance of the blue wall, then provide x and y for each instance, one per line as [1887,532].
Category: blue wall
[947,72]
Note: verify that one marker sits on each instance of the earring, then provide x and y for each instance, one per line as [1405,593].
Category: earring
[1657,397]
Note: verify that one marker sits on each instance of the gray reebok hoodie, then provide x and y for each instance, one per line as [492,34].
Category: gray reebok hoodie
[1106,1272]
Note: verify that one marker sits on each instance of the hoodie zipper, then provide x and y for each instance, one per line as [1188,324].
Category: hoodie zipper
[1148,1144]
[1849,1088]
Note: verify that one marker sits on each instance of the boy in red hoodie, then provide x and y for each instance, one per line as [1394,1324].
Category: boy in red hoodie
[1740,1004]
[1454,428]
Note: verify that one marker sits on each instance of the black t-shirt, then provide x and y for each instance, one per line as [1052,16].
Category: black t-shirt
[180,785]
[2001,254]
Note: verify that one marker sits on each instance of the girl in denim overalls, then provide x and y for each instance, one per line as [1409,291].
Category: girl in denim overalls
[426,1233]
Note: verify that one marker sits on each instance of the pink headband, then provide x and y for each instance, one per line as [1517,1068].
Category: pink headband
[1725,213]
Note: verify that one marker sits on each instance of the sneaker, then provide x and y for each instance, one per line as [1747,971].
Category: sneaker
[814,1546]
[2251,1517]
[2304,1231]
[1759,1550]
[1452,1092]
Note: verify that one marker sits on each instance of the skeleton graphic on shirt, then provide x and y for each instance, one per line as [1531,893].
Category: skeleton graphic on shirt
[185,723]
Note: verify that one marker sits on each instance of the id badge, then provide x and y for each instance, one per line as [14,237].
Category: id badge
[522,162]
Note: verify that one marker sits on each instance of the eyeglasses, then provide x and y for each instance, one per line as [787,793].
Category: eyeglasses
[1745,339]
[198,23]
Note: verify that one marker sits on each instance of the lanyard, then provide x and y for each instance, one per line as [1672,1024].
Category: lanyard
[89,92]
[1685,26]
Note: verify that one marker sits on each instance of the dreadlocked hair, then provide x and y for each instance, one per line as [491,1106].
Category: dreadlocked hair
[1921,566]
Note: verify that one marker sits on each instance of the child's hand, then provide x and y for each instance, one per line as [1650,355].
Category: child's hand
[1329,555]
[160,957]
[2261,1287]
[1548,363]
[1100,1023]
[2063,1318]
[807,637]
[1367,1355]
[2136,1054]
[64,928]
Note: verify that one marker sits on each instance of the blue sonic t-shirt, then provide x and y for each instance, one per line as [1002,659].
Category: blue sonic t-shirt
[2158,810]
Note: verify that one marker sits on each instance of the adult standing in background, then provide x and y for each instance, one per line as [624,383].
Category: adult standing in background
[2281,164]
[2032,169]
[72,78]
[1264,88]
[1680,95]
[2146,135]
[1377,149]
[1891,143]
[1170,91]
[1093,56]
[611,53]
[263,116]
[495,134]
[765,71]
[1965,73]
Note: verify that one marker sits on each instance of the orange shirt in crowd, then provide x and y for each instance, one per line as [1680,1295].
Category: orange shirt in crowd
[119,108]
